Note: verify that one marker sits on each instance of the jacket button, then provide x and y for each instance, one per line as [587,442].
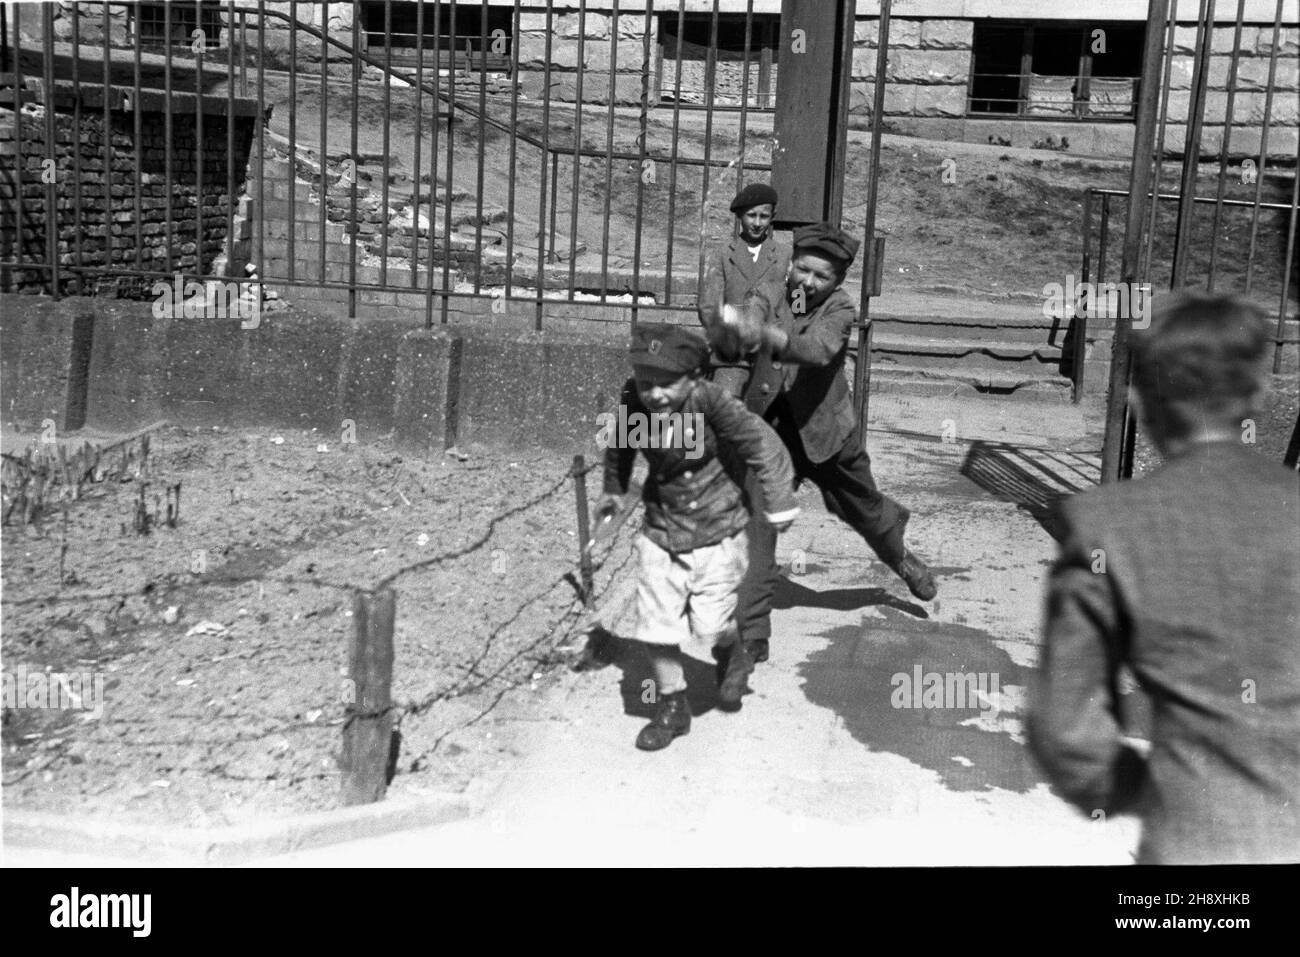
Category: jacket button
[693,505]
[765,388]
[687,474]
[776,365]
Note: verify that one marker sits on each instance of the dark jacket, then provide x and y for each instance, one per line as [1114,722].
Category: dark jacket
[809,370]
[693,495]
[1199,594]
[731,275]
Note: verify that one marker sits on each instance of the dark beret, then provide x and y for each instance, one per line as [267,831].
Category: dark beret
[672,348]
[755,194]
[829,240]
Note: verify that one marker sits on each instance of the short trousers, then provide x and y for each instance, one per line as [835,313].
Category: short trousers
[688,599]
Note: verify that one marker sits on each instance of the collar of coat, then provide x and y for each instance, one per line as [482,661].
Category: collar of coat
[768,254]
[788,319]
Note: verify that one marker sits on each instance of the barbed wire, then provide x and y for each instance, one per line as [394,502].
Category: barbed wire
[565,625]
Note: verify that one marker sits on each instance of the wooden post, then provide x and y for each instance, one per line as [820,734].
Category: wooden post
[584,529]
[368,722]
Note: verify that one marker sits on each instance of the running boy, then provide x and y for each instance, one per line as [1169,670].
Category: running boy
[697,441]
[799,386]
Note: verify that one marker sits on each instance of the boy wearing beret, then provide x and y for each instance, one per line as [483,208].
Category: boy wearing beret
[799,386]
[733,275]
[692,552]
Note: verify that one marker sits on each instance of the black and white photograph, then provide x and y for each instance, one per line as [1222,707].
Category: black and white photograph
[688,434]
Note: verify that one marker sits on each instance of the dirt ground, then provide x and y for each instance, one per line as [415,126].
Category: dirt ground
[240,718]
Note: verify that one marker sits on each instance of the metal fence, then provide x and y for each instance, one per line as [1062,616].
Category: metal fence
[421,158]
[1160,241]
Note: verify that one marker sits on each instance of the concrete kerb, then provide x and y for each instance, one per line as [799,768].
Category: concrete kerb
[227,845]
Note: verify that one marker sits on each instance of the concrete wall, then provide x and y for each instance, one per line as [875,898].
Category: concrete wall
[308,368]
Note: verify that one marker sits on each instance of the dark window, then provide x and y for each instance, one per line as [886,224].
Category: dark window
[1056,71]
[151,24]
[489,41]
[684,58]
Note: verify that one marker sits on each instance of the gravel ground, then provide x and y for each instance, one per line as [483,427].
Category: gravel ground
[240,718]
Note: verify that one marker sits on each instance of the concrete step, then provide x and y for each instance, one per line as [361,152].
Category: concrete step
[968,382]
[990,352]
[1012,327]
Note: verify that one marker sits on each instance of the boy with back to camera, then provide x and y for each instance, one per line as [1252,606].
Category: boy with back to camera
[697,441]
[1190,577]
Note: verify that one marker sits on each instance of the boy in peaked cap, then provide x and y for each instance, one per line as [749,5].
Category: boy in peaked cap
[733,275]
[697,441]
[800,388]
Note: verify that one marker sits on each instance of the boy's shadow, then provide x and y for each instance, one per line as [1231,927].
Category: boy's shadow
[791,594]
[637,684]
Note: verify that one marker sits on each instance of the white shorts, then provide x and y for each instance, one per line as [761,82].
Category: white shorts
[689,599]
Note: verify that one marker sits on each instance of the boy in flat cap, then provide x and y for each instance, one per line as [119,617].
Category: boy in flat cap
[799,386]
[733,275]
[698,441]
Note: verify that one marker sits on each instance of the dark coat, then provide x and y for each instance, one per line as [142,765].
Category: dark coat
[1200,595]
[693,500]
[732,275]
[809,370]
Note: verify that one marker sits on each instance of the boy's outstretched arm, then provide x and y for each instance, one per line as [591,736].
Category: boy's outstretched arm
[753,441]
[1072,724]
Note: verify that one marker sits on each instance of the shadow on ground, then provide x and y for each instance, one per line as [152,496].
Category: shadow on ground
[1033,479]
[791,594]
[861,674]
[636,686]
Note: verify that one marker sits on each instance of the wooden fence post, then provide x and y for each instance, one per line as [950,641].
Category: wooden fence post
[368,721]
[584,529]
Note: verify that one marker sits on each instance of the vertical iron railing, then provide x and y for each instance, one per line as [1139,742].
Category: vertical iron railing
[862,363]
[517,139]
[1145,234]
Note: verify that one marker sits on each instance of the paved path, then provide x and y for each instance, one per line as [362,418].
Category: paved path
[817,767]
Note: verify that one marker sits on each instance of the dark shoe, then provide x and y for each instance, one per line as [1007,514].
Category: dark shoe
[919,580]
[672,719]
[734,669]
[756,648]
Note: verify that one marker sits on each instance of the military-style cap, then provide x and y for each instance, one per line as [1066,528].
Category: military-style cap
[672,348]
[755,194]
[826,239]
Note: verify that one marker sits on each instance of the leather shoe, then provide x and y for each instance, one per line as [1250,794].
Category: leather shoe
[756,648]
[917,576]
[734,669]
[673,718]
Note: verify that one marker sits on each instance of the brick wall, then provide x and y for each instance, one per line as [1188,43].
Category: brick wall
[94,214]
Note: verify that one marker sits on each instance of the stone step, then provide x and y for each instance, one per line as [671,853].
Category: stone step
[968,382]
[1012,327]
[965,352]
